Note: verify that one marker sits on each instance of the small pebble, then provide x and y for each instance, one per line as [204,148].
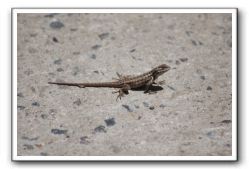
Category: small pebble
[77,102]
[33,89]
[127,108]
[100,129]
[44,116]
[151,107]
[21,107]
[226,121]
[73,29]
[56,24]
[60,70]
[136,106]
[177,62]
[51,15]
[55,40]
[36,104]
[172,88]
[30,139]
[103,35]
[58,131]
[188,33]
[110,122]
[43,154]
[84,140]
[95,47]
[58,61]
[20,95]
[133,50]
[93,56]
[183,59]
[28,147]
[76,53]
[210,134]
[194,42]
[209,88]
[202,77]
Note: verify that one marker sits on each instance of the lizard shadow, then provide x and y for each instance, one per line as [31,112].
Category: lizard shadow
[152,88]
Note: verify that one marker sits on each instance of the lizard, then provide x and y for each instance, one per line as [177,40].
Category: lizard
[127,82]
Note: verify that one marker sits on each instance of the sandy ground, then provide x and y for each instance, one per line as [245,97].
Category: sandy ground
[190,116]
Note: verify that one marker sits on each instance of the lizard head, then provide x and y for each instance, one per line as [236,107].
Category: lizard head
[159,70]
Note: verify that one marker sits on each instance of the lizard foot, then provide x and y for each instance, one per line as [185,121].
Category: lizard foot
[120,94]
[150,92]
[160,82]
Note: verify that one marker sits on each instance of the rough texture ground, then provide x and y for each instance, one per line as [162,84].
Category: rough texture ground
[190,116]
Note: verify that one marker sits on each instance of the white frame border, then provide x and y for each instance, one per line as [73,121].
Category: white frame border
[234,155]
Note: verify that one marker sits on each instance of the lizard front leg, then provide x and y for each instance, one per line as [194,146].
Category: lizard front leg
[159,82]
[148,84]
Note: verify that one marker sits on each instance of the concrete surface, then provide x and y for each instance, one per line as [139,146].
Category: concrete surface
[190,116]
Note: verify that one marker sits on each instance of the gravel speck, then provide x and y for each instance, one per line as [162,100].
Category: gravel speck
[58,61]
[51,15]
[44,116]
[30,139]
[93,56]
[95,47]
[84,140]
[76,53]
[60,70]
[43,154]
[110,122]
[183,59]
[36,104]
[28,147]
[103,35]
[210,134]
[127,108]
[73,29]
[55,40]
[172,88]
[77,102]
[194,42]
[100,129]
[162,105]
[209,88]
[226,121]
[58,131]
[132,50]
[202,77]
[56,24]
[177,62]
[20,95]
[21,107]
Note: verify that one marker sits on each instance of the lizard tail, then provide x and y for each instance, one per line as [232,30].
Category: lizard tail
[68,84]
[82,85]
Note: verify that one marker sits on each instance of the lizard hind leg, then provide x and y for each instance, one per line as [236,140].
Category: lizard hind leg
[121,92]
